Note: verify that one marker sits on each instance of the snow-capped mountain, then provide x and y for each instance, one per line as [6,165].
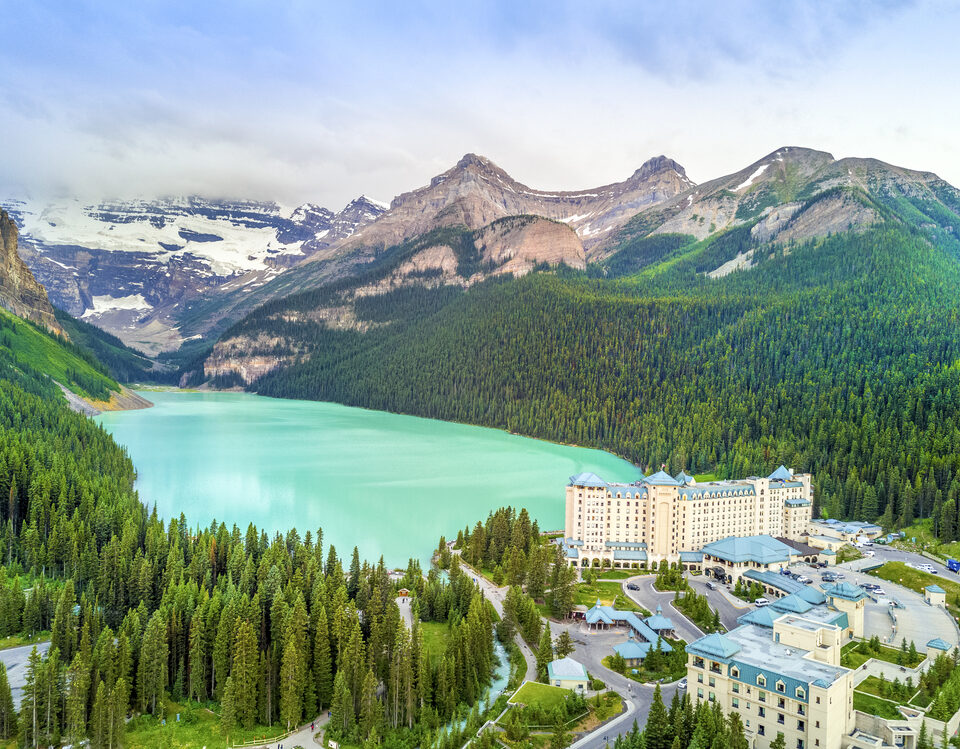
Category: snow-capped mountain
[127,266]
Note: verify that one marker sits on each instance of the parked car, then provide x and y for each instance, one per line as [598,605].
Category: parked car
[761,602]
[879,592]
[785,571]
[682,684]
[804,579]
[711,585]
[868,553]
[633,586]
[821,565]
[828,578]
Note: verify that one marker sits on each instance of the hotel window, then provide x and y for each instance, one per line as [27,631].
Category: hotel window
[761,680]
[736,688]
[712,697]
[781,687]
[700,693]
[760,731]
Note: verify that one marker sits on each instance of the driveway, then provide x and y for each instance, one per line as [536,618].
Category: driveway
[729,606]
[649,597]
[15,659]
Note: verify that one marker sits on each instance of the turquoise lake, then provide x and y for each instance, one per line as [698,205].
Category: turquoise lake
[389,484]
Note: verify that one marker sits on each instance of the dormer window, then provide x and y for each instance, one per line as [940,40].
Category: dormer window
[735,672]
[801,695]
[761,680]
[781,687]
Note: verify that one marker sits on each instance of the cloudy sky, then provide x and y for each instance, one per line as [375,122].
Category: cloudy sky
[298,101]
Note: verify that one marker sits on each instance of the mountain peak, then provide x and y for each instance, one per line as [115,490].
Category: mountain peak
[475,160]
[659,164]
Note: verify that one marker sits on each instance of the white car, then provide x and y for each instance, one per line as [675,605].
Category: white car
[682,684]
[868,553]
[761,602]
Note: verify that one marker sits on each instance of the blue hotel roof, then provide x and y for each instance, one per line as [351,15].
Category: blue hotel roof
[760,549]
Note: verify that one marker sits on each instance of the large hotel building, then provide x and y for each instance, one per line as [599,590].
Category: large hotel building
[663,516]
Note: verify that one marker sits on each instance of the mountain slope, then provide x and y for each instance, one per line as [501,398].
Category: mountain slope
[129,267]
[476,192]
[798,193]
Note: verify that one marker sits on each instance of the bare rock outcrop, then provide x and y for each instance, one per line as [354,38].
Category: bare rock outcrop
[20,292]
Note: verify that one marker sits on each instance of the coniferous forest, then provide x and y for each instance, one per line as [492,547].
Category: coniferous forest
[838,356]
[268,632]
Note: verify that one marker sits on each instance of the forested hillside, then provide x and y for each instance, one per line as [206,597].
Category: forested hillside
[265,631]
[837,356]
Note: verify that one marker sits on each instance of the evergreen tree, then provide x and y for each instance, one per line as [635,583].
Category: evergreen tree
[544,653]
[152,670]
[244,671]
[228,710]
[322,669]
[8,713]
[658,729]
[291,683]
[564,645]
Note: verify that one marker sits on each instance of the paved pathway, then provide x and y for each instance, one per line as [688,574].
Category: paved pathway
[729,606]
[15,659]
[304,736]
[495,595]
[649,597]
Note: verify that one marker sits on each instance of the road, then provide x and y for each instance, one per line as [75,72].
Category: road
[15,659]
[649,597]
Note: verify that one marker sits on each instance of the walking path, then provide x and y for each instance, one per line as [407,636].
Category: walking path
[303,736]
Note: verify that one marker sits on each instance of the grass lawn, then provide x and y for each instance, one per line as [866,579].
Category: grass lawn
[705,476]
[609,593]
[619,574]
[867,703]
[15,641]
[435,637]
[871,685]
[197,727]
[610,704]
[917,580]
[856,654]
[542,695]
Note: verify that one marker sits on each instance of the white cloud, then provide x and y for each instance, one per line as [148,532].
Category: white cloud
[322,103]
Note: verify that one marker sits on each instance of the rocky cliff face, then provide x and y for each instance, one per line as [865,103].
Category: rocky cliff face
[476,192]
[19,290]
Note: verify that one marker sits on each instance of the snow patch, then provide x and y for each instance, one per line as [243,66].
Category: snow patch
[103,304]
[749,181]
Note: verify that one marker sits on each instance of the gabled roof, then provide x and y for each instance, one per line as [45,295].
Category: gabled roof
[935,589]
[598,613]
[658,622]
[762,617]
[781,473]
[939,644]
[661,478]
[714,646]
[792,604]
[684,478]
[759,549]
[632,649]
[846,591]
[567,668]
[587,479]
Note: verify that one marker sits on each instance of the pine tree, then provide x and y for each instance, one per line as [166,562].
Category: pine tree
[353,582]
[78,688]
[658,729]
[341,709]
[197,689]
[244,672]
[544,653]
[780,742]
[152,671]
[564,645]
[322,667]
[100,718]
[291,684]
[119,699]
[8,713]
[31,701]
[228,710]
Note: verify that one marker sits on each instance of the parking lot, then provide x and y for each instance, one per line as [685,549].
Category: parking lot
[915,619]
